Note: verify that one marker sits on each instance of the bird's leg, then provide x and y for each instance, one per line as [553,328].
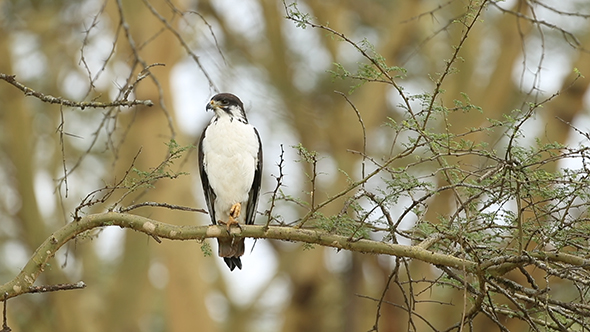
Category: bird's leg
[234,212]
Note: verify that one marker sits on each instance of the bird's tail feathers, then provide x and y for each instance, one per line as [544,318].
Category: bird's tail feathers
[231,250]
[233,262]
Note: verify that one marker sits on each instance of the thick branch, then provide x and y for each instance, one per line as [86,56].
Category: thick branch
[24,281]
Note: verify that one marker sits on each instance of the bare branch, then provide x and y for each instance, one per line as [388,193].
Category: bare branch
[158,204]
[22,283]
[5,327]
[65,102]
[55,288]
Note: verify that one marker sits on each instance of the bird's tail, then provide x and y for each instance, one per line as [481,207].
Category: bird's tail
[231,250]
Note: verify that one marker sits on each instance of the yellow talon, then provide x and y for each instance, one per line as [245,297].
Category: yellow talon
[234,212]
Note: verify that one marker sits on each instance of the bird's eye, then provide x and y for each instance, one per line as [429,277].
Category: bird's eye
[224,102]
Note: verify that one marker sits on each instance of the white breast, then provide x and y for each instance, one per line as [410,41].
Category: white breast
[230,153]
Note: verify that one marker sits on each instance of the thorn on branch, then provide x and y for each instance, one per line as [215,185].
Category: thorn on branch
[156,238]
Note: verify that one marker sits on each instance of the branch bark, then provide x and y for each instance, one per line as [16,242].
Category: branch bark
[23,282]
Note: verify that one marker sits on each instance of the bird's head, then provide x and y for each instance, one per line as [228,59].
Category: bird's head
[227,104]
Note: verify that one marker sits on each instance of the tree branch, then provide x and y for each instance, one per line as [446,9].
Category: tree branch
[59,100]
[23,282]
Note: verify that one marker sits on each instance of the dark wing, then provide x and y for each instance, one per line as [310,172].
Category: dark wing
[255,190]
[207,190]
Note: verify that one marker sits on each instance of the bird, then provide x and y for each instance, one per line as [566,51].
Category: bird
[230,165]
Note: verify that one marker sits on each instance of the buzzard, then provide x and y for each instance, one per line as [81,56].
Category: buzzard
[230,164]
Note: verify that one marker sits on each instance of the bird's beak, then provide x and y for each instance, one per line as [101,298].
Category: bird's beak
[213,105]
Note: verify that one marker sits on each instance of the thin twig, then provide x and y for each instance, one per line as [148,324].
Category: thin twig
[182,43]
[5,327]
[360,118]
[278,186]
[158,204]
[57,287]
[393,273]
[65,102]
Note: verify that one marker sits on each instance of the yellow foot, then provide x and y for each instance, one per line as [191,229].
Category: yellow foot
[235,210]
[231,222]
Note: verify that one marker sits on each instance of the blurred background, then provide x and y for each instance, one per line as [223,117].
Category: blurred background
[93,50]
